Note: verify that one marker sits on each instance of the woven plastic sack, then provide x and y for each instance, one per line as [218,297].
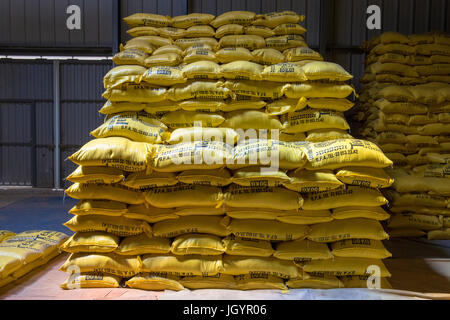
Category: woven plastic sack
[376,213]
[312,119]
[191,224]
[267,56]
[115,192]
[91,242]
[199,89]
[247,246]
[200,54]
[321,135]
[143,180]
[365,177]
[317,90]
[203,134]
[171,32]
[163,75]
[273,19]
[215,177]
[155,282]
[186,21]
[254,177]
[117,107]
[138,44]
[202,70]
[250,42]
[170,48]
[189,265]
[93,174]
[122,74]
[259,282]
[92,280]
[229,29]
[132,92]
[415,221]
[258,89]
[302,250]
[166,59]
[360,248]
[189,42]
[6,234]
[285,42]
[344,266]
[283,72]
[143,244]
[130,57]
[143,31]
[99,207]
[149,214]
[238,265]
[219,281]
[202,244]
[262,31]
[238,17]
[301,53]
[315,282]
[313,181]
[226,55]
[147,19]
[241,70]
[251,119]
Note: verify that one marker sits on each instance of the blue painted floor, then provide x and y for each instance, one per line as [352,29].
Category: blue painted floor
[43,213]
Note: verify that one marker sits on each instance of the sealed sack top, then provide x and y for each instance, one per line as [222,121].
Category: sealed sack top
[147,19]
[234,17]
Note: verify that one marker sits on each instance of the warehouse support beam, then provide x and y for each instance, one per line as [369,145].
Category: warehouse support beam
[56,124]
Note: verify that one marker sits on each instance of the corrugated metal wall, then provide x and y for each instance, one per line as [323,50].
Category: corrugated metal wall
[26,116]
[42,24]
[26,87]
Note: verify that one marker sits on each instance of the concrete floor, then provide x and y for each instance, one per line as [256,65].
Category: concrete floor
[420,268]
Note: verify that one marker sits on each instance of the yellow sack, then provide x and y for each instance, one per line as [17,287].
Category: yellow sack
[202,70]
[432,49]
[99,207]
[91,242]
[393,37]
[238,265]
[396,93]
[200,54]
[238,17]
[321,135]
[149,214]
[142,180]
[258,89]
[365,177]
[406,233]
[166,59]
[285,155]
[361,282]
[123,74]
[137,44]
[250,42]
[170,48]
[344,152]
[27,247]
[143,31]
[360,248]
[202,105]
[103,262]
[132,92]
[422,210]
[226,55]
[262,197]
[115,192]
[216,177]
[317,90]
[162,75]
[343,197]
[133,127]
[200,90]
[446,222]
[117,107]
[267,56]
[251,119]
[191,155]
[305,217]
[434,129]
[313,181]
[262,31]
[255,213]
[273,19]
[331,104]
[285,42]
[315,282]
[184,195]
[417,199]
[147,19]
[400,107]
[285,105]
[192,19]
[321,70]
[376,213]
[267,230]
[160,108]
[119,226]
[391,137]
[94,174]
[301,53]
[94,280]
[254,177]
[171,32]
[283,72]
[438,158]
[344,267]
[191,224]
[143,244]
[409,183]
[199,31]
[436,170]
[186,135]
[155,41]
[394,48]
[244,103]
[198,211]
[247,246]
[155,282]
[219,281]
[229,29]
[189,265]
[443,234]
[183,119]
[394,68]
[259,282]
[6,234]
[201,244]
[241,70]
[190,42]
[415,221]
[302,250]
[312,119]
[347,229]
[289,28]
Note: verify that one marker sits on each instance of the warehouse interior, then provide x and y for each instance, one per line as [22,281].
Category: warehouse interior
[51,86]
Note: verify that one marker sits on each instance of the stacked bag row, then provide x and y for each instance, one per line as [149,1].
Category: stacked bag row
[23,252]
[404,108]
[234,176]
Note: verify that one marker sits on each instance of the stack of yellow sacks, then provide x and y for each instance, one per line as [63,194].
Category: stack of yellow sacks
[405,108]
[23,252]
[221,167]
